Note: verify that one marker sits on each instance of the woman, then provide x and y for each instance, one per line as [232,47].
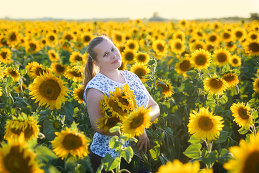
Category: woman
[102,76]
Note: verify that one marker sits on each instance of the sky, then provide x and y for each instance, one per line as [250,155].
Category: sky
[132,9]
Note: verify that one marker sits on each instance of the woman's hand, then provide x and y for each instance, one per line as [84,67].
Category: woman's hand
[143,142]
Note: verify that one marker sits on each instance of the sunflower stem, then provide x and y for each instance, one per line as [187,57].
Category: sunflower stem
[124,170]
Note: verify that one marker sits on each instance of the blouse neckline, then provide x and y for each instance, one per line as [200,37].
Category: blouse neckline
[114,80]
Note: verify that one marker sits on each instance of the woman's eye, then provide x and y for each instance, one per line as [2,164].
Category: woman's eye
[105,54]
[112,49]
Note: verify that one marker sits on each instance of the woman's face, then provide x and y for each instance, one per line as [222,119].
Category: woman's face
[108,56]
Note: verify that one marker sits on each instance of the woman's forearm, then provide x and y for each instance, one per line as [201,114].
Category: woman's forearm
[155,112]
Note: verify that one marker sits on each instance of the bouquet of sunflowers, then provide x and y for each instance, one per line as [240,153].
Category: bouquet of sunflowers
[120,107]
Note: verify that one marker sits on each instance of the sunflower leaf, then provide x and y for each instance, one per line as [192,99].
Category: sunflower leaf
[44,153]
[127,154]
[194,140]
[222,137]
[193,151]
[110,163]
[209,158]
[243,131]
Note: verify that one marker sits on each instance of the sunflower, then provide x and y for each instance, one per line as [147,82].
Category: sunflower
[221,57]
[78,94]
[245,157]
[166,86]
[108,122]
[160,47]
[253,36]
[213,38]
[64,44]
[37,70]
[32,46]
[209,47]
[201,59]
[74,73]
[68,36]
[239,33]
[252,48]
[204,125]
[256,85]
[136,122]
[1,93]
[142,57]
[231,79]
[13,37]
[183,66]
[128,56]
[177,46]
[53,55]
[30,66]
[48,90]
[20,88]
[215,85]
[197,45]
[178,167]
[77,57]
[58,68]
[118,37]
[86,38]
[241,114]
[132,45]
[5,56]
[231,46]
[70,142]
[51,39]
[179,35]
[22,124]
[12,72]
[235,61]
[123,66]
[140,70]
[226,36]
[16,156]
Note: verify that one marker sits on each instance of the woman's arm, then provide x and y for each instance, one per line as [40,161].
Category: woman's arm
[155,110]
[93,96]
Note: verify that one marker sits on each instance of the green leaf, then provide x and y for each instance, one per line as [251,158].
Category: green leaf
[223,99]
[127,154]
[209,158]
[116,128]
[110,163]
[193,151]
[243,131]
[223,156]
[44,153]
[222,137]
[113,142]
[194,140]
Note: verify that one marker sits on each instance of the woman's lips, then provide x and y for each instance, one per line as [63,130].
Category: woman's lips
[115,61]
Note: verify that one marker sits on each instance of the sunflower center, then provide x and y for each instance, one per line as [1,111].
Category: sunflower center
[160,47]
[111,122]
[15,161]
[4,55]
[226,35]
[28,131]
[53,55]
[52,38]
[118,38]
[252,163]
[78,58]
[80,94]
[235,61]
[213,38]
[32,46]
[242,112]
[13,73]
[239,34]
[205,123]
[198,46]
[216,83]
[60,68]
[185,65]
[142,58]
[178,46]
[180,37]
[129,56]
[50,89]
[87,38]
[254,47]
[140,72]
[132,46]
[116,108]
[75,74]
[72,142]
[229,78]
[68,37]
[13,37]
[39,71]
[210,47]
[137,121]
[200,59]
[253,37]
[222,57]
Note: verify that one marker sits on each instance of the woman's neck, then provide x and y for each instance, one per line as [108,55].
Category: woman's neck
[112,74]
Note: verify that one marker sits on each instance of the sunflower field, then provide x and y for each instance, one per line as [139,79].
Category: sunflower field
[203,75]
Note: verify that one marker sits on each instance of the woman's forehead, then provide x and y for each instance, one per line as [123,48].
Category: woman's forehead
[104,46]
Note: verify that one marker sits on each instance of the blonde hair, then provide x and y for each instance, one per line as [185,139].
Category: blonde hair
[90,69]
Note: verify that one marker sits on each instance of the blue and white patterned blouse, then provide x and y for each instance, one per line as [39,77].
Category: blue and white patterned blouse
[100,144]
